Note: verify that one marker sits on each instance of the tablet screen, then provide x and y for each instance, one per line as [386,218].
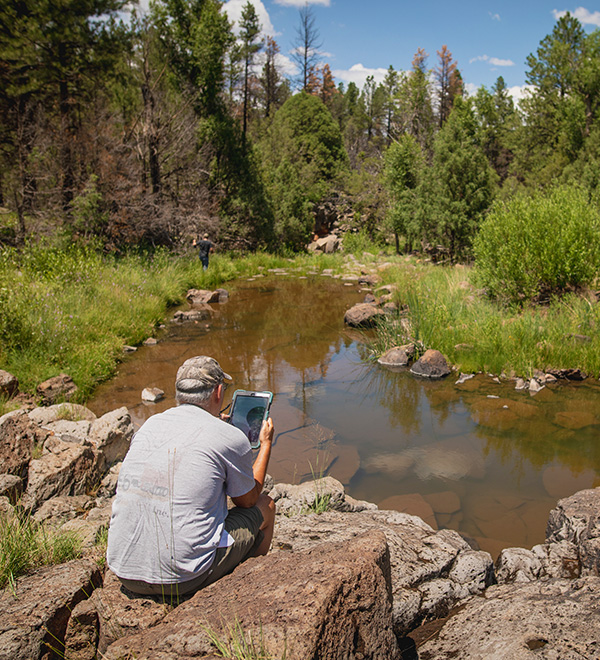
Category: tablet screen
[248,411]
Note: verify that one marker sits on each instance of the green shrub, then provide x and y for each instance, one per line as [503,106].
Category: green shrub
[530,247]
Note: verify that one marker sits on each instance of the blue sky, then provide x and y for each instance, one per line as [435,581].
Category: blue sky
[362,37]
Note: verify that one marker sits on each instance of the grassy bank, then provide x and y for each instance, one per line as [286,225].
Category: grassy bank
[70,309]
[66,308]
[448,312]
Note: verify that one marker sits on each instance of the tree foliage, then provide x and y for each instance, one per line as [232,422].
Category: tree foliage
[303,155]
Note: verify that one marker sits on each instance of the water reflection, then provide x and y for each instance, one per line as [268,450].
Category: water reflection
[476,457]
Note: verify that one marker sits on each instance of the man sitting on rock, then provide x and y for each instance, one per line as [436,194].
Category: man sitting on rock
[170,531]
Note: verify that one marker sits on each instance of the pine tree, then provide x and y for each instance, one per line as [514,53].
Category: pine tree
[250,46]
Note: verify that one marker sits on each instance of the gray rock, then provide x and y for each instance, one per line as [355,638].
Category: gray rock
[9,385]
[395,357]
[331,602]
[518,565]
[58,388]
[534,386]
[204,313]
[152,394]
[362,315]
[35,615]
[89,526]
[557,619]
[58,510]
[202,296]
[463,378]
[18,435]
[521,384]
[64,469]
[43,416]
[418,556]
[11,486]
[576,519]
[432,364]
[111,435]
[129,349]
[150,341]
[108,485]
[70,431]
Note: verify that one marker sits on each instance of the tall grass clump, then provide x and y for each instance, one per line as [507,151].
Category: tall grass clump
[531,247]
[26,545]
[444,310]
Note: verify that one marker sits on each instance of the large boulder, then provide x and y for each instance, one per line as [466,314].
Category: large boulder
[576,520]
[111,435]
[542,619]
[58,388]
[363,315]
[331,602]
[64,468]
[122,613]
[430,571]
[432,364]
[18,436]
[9,385]
[36,611]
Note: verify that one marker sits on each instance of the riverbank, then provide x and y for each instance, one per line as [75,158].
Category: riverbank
[68,309]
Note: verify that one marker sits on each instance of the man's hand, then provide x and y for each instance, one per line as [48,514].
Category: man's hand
[266,433]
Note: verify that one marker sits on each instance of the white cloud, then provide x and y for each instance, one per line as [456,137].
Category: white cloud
[582,14]
[233,9]
[494,61]
[495,17]
[358,74]
[301,3]
[470,89]
[519,92]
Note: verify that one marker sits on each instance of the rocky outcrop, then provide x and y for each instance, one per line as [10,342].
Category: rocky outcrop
[326,245]
[430,571]
[554,619]
[35,615]
[110,435]
[330,602]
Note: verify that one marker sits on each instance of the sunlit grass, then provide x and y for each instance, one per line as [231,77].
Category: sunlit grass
[26,545]
[448,313]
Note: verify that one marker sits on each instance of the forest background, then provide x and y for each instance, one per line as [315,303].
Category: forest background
[147,130]
[122,133]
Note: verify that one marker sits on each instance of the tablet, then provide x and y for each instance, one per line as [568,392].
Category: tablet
[248,411]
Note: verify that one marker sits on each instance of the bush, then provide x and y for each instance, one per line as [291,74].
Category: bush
[531,247]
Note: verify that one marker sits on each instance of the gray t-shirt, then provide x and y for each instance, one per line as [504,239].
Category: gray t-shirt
[167,518]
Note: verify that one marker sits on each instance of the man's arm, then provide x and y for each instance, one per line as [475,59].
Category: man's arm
[259,468]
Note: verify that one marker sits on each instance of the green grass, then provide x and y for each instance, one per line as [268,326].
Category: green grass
[235,643]
[448,313]
[67,308]
[26,545]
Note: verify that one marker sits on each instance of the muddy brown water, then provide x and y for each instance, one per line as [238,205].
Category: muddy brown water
[479,457]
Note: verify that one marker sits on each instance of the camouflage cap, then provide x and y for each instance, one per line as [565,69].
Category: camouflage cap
[198,373]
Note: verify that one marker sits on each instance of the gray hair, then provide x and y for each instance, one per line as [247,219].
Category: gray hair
[197,398]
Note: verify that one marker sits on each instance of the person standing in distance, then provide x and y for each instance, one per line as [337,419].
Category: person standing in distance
[170,531]
[205,247]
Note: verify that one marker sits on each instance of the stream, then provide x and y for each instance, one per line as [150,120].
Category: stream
[480,457]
